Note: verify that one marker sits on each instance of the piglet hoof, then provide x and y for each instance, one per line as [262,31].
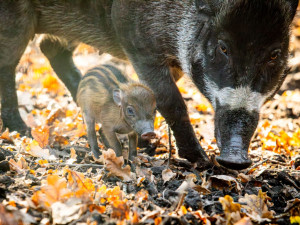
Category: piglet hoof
[234,158]
[132,165]
[96,153]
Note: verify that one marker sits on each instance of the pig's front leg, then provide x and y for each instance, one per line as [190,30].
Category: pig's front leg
[91,133]
[113,141]
[172,107]
[132,145]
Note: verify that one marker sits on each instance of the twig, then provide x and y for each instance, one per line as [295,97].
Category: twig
[256,165]
[180,201]
[74,165]
[77,148]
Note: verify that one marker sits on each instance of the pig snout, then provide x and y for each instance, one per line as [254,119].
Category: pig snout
[234,130]
[148,135]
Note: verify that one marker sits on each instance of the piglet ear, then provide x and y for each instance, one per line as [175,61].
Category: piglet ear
[294,5]
[117,96]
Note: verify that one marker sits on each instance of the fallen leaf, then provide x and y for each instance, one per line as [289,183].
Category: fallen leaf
[5,135]
[19,166]
[256,206]
[244,221]
[51,83]
[114,165]
[167,175]
[41,135]
[34,149]
[189,183]
[63,213]
[231,210]
[6,217]
[120,210]
[223,181]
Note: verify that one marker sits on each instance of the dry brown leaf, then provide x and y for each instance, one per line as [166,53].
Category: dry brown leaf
[30,121]
[189,183]
[64,213]
[244,221]
[243,177]
[19,166]
[120,210]
[6,217]
[41,135]
[167,175]
[232,210]
[223,181]
[114,165]
[5,135]
[73,156]
[35,150]
[256,207]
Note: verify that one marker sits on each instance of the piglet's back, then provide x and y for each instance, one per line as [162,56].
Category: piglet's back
[96,87]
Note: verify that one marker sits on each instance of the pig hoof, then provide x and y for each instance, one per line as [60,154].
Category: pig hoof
[236,161]
[204,164]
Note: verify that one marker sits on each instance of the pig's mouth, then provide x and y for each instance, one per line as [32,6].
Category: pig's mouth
[235,156]
[234,130]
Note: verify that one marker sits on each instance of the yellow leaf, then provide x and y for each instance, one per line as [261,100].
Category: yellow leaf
[51,83]
[295,219]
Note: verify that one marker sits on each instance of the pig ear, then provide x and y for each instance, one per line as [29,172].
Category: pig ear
[294,5]
[117,96]
[213,5]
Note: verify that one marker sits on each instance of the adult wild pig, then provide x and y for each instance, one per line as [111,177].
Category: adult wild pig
[122,106]
[234,50]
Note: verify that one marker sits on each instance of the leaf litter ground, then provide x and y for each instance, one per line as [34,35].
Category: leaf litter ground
[51,177]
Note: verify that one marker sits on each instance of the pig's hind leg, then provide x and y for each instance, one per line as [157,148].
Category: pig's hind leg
[60,52]
[91,133]
[16,29]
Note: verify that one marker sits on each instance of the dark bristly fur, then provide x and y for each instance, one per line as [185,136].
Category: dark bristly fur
[96,98]
[162,39]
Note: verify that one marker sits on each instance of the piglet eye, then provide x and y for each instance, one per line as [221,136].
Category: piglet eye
[130,111]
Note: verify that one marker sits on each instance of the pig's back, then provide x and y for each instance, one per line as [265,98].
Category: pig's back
[95,90]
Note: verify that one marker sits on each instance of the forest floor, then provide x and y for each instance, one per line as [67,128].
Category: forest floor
[52,178]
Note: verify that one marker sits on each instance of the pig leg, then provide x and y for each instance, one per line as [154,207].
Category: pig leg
[90,123]
[16,30]
[103,138]
[171,105]
[113,141]
[176,73]
[59,52]
[9,101]
[132,145]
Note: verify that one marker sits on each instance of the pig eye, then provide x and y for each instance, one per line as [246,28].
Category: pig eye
[130,111]
[223,48]
[274,55]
